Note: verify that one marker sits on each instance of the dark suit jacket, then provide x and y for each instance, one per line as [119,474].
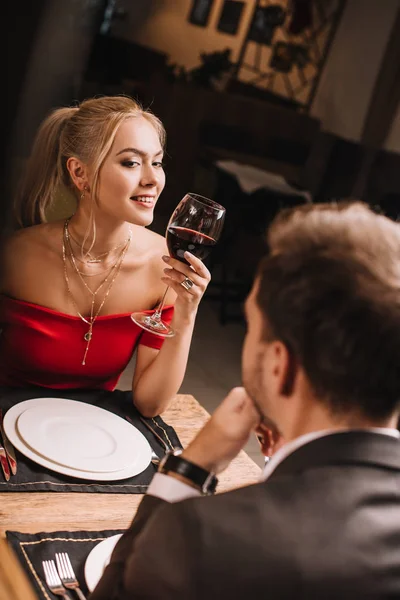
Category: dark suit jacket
[325,525]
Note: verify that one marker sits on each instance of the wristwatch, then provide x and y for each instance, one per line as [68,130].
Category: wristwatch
[205,481]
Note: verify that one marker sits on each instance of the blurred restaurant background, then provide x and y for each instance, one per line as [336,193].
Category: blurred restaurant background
[266,103]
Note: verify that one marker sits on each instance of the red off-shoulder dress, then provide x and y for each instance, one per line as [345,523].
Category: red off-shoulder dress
[42,347]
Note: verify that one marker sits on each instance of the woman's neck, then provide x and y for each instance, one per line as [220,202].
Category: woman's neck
[108,232]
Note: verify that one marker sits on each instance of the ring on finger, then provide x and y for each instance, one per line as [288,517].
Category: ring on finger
[187,284]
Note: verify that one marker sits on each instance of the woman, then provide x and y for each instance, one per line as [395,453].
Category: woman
[69,287]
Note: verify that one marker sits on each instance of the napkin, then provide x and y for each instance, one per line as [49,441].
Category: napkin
[32,549]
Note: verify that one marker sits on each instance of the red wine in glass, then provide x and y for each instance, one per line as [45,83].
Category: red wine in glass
[182,239]
[195,226]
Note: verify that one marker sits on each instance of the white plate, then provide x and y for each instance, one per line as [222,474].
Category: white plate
[140,459]
[98,559]
[79,435]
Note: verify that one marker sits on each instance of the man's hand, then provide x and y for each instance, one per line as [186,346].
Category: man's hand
[225,434]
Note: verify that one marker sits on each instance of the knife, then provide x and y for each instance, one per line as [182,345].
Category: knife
[4,463]
[8,448]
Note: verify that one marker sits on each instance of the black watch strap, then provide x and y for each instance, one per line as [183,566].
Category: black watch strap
[205,481]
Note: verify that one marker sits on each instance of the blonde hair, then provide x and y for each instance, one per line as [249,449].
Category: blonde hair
[86,132]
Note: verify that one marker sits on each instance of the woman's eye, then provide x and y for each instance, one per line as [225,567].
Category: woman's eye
[159,165]
[130,163]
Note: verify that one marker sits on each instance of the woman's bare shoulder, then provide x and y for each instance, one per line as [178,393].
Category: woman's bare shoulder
[31,239]
[26,251]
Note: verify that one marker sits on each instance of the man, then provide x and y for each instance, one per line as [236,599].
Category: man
[321,364]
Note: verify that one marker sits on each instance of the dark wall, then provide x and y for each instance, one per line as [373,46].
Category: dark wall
[383,184]
[49,43]
[19,37]
[57,63]
[342,168]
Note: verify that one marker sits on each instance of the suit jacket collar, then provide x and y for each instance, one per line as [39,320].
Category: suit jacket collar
[344,448]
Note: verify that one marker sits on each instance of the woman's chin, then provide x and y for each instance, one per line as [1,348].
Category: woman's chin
[140,216]
[143,220]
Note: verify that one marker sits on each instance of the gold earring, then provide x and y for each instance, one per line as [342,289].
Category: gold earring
[83,194]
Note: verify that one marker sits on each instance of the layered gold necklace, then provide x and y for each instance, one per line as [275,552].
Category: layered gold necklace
[109,279]
[90,260]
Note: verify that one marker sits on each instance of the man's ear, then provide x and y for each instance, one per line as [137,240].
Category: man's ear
[280,367]
[290,372]
[78,173]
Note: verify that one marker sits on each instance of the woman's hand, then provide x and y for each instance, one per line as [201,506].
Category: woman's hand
[188,297]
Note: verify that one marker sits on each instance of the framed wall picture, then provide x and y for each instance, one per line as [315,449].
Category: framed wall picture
[200,12]
[265,20]
[230,16]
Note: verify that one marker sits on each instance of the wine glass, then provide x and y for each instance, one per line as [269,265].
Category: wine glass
[195,225]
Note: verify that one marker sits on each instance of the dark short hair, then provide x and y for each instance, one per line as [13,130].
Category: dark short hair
[330,290]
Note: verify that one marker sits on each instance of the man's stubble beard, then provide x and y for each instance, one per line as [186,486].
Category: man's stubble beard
[252,382]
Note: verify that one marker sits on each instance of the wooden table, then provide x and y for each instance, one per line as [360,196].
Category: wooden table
[45,511]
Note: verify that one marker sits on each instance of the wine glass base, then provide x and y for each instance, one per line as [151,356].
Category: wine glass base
[152,324]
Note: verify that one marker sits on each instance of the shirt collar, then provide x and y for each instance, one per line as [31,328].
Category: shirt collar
[302,440]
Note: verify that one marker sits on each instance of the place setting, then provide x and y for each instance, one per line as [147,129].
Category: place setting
[79,559]
[76,439]
[87,442]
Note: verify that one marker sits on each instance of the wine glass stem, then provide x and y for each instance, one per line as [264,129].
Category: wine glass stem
[157,314]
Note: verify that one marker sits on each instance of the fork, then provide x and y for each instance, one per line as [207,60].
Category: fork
[67,574]
[155,459]
[52,579]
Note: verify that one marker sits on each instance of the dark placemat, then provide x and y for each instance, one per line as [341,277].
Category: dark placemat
[35,478]
[32,549]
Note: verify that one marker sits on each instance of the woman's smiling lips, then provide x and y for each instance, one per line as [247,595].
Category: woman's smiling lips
[144,201]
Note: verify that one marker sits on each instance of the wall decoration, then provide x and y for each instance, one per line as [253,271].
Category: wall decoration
[230,16]
[213,69]
[286,55]
[285,49]
[301,17]
[281,59]
[200,12]
[265,20]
